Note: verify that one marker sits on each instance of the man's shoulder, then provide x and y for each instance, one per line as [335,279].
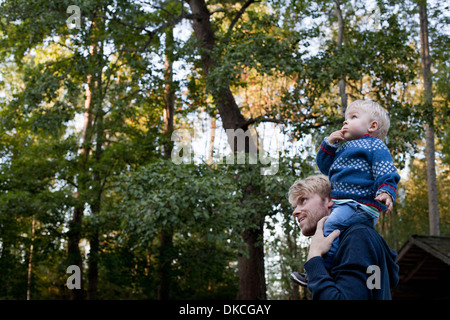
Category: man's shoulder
[362,233]
[365,239]
[362,243]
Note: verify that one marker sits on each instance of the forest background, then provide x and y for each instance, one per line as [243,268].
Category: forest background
[90,99]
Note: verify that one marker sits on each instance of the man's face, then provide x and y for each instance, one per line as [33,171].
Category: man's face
[309,210]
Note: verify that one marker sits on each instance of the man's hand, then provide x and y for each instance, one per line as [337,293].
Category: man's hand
[336,137]
[385,198]
[319,243]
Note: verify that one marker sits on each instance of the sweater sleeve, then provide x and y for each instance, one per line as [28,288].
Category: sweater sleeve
[348,276]
[325,156]
[384,171]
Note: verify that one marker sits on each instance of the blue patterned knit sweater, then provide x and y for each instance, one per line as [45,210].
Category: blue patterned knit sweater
[360,170]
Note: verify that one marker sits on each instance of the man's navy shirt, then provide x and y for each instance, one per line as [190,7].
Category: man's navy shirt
[359,248]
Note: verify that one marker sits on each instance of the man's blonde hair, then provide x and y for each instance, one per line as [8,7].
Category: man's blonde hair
[316,184]
[376,113]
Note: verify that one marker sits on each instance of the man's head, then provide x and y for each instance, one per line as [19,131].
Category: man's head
[311,199]
[365,117]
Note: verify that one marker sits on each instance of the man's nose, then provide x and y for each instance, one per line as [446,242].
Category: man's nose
[296,211]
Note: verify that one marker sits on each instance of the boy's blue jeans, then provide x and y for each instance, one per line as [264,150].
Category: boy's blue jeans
[343,216]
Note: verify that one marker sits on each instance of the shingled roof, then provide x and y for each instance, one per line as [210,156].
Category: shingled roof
[424,268]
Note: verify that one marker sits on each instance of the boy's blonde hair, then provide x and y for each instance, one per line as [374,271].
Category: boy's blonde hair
[313,184]
[376,113]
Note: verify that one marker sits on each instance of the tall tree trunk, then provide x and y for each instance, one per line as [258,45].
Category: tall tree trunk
[6,262]
[73,249]
[291,242]
[169,93]
[166,236]
[93,264]
[30,260]
[210,154]
[229,111]
[342,82]
[252,284]
[252,281]
[165,258]
[74,233]
[429,118]
[94,202]
[97,189]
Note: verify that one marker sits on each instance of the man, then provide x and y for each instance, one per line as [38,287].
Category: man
[363,267]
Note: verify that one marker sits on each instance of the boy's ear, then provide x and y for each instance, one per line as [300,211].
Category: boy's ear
[373,126]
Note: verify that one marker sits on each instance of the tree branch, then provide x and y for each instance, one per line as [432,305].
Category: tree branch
[239,15]
[151,33]
[262,119]
[70,182]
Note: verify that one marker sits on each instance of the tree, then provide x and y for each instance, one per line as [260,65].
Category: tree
[31,210]
[429,121]
[52,96]
[166,237]
[251,270]
[340,39]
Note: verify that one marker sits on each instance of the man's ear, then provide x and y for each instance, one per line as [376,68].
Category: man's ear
[373,126]
[330,203]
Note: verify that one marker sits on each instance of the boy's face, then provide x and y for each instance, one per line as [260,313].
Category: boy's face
[357,123]
[309,210]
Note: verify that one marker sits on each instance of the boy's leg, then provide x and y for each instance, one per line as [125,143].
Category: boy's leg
[343,216]
[339,213]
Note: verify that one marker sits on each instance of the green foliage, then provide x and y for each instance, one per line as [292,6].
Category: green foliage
[167,195]
[198,204]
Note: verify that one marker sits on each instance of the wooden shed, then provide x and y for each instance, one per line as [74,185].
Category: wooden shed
[424,269]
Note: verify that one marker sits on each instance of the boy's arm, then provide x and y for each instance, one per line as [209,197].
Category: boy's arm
[384,171]
[327,150]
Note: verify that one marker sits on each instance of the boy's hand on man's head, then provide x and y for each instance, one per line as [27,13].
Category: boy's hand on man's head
[387,200]
[336,137]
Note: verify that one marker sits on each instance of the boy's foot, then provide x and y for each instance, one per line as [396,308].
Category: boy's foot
[299,278]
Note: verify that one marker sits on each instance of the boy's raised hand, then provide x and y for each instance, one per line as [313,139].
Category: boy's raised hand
[336,137]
